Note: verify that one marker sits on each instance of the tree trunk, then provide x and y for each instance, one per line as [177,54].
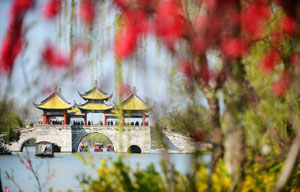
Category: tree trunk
[216,133]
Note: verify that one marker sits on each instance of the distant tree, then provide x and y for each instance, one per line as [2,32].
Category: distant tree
[10,122]
[191,120]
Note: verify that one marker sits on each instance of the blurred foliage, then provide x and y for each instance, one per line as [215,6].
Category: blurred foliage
[118,176]
[10,122]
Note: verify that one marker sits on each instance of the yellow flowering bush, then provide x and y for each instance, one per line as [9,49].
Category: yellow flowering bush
[119,177]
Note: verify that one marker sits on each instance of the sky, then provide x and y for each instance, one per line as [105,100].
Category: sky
[31,81]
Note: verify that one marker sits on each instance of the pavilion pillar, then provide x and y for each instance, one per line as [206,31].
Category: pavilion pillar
[104,120]
[65,118]
[44,118]
[144,119]
[47,120]
[84,120]
[123,118]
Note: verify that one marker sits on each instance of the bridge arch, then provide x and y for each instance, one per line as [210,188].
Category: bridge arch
[95,132]
[25,141]
[134,149]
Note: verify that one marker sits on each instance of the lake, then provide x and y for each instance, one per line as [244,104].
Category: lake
[66,167]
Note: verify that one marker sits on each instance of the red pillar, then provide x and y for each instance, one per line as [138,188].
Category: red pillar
[104,121]
[123,118]
[65,118]
[84,119]
[47,120]
[144,118]
[44,118]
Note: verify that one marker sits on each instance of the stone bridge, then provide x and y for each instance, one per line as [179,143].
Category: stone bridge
[68,138]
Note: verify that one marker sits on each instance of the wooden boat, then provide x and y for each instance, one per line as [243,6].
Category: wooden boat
[110,148]
[44,149]
[98,147]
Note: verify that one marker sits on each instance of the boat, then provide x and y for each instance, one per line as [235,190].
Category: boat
[44,149]
[110,147]
[98,147]
[83,148]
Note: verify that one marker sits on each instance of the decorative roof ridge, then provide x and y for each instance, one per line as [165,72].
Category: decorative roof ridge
[97,89]
[55,93]
[135,95]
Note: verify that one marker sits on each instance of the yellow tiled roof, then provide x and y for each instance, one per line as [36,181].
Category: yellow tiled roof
[134,103]
[75,111]
[95,94]
[95,107]
[54,101]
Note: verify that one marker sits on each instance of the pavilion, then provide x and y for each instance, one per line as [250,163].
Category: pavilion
[54,106]
[95,99]
[75,112]
[132,107]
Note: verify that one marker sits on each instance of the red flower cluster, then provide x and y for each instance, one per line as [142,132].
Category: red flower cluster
[233,48]
[13,42]
[52,8]
[254,18]
[53,58]
[169,22]
[282,84]
[124,90]
[87,12]
[187,69]
[288,26]
[135,23]
[270,60]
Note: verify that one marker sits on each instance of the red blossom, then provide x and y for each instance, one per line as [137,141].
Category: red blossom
[126,42]
[294,59]
[87,12]
[29,167]
[233,48]
[289,26]
[282,84]
[125,90]
[54,58]
[19,7]
[254,18]
[21,161]
[27,160]
[187,69]
[198,45]
[50,176]
[270,60]
[52,8]
[169,22]
[7,189]
[10,48]
[259,159]
[134,24]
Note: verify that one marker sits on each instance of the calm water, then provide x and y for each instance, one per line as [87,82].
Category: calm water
[66,167]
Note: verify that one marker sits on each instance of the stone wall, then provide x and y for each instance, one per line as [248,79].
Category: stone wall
[179,143]
[57,134]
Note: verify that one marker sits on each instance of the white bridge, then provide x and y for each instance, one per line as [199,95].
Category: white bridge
[67,138]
